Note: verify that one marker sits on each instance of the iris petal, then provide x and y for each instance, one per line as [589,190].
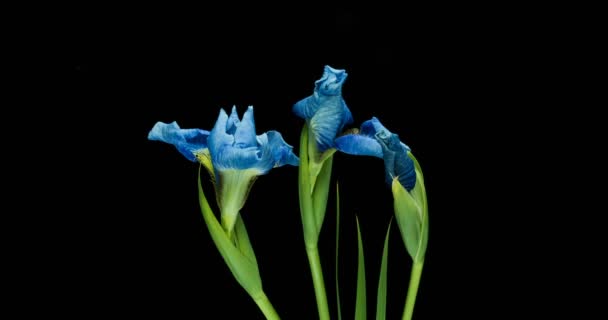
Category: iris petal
[397,163]
[233,121]
[282,153]
[326,123]
[230,157]
[331,82]
[374,139]
[244,136]
[360,145]
[306,108]
[218,138]
[187,141]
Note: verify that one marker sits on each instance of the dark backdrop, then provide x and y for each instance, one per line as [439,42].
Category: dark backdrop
[134,237]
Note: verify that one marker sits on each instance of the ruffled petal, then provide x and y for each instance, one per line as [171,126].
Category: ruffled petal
[397,163]
[360,145]
[229,157]
[218,137]
[306,107]
[405,170]
[244,136]
[327,122]
[331,82]
[368,127]
[233,121]
[187,141]
[282,153]
[275,152]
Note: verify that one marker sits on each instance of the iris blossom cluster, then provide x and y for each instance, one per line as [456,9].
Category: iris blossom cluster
[234,156]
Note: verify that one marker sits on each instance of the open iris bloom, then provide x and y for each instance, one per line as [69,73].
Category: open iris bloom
[404,175]
[234,156]
[326,114]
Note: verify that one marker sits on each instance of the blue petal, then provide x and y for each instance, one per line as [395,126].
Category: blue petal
[282,153]
[368,128]
[187,141]
[327,123]
[405,170]
[218,137]
[230,157]
[273,152]
[306,108]
[360,145]
[331,82]
[244,136]
[233,121]
[397,163]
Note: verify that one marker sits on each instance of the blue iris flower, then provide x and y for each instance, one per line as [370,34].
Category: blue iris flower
[373,139]
[233,144]
[325,110]
[233,154]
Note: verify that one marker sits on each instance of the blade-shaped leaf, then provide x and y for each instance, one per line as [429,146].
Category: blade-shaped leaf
[337,247]
[361,300]
[381,299]
[245,271]
[242,239]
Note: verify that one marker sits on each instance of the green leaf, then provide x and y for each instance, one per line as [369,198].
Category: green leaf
[244,269]
[337,246]
[321,192]
[381,299]
[361,300]
[242,239]
[409,218]
[306,207]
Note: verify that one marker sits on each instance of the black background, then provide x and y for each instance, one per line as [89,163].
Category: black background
[131,240]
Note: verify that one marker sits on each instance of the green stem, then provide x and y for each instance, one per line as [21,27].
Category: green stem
[319,284]
[266,307]
[412,291]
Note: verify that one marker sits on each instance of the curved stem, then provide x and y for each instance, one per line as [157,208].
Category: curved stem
[266,307]
[319,284]
[412,291]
